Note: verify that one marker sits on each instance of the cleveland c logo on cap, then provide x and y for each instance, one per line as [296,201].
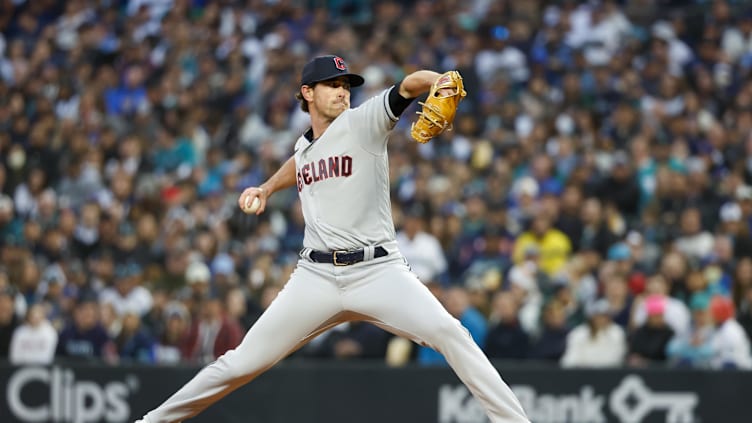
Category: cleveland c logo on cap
[339,63]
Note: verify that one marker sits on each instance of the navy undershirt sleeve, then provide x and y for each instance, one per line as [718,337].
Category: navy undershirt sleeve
[397,103]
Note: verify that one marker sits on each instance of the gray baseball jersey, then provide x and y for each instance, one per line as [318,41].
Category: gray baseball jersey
[349,161]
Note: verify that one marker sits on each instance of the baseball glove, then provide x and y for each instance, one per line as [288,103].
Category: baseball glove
[439,108]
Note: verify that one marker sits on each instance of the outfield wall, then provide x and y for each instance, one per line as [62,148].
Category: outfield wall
[371,393]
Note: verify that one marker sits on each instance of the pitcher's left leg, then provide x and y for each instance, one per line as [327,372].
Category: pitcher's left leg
[308,302]
[396,298]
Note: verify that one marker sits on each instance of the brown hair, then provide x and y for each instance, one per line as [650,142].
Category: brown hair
[303,101]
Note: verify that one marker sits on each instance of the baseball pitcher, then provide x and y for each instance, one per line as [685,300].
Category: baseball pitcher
[350,267]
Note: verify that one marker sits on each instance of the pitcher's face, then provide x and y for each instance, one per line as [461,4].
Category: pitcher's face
[331,97]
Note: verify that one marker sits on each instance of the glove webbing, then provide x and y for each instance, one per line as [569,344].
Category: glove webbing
[436,111]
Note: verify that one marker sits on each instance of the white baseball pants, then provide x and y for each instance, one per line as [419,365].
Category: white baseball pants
[319,296]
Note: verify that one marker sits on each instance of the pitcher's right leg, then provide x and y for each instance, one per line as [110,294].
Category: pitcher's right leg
[397,299]
[307,302]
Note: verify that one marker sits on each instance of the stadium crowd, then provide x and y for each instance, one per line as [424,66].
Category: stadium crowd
[591,207]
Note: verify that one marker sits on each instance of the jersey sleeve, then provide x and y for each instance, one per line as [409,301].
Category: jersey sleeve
[374,119]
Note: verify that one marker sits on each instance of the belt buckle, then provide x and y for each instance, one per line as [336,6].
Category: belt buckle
[334,258]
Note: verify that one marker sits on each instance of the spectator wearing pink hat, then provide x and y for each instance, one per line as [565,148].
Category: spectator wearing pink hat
[648,343]
[676,314]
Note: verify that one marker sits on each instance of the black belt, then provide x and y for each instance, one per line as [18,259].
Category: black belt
[343,257]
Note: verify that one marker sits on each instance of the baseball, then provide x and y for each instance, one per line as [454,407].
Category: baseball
[251,207]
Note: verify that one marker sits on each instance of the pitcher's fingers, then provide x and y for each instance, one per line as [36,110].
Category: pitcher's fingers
[262,206]
[246,197]
[241,199]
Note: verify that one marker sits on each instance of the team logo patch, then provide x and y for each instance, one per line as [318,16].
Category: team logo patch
[339,63]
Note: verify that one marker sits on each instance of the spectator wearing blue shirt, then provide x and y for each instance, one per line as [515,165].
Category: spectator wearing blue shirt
[457,302]
[693,349]
[173,153]
[551,51]
[129,98]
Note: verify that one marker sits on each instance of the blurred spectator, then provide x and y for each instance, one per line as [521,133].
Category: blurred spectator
[619,259]
[674,268]
[173,153]
[197,276]
[552,342]
[736,229]
[593,233]
[570,210]
[171,347]
[84,338]
[225,277]
[737,40]
[744,315]
[28,194]
[701,192]
[676,313]
[553,245]
[130,97]
[620,187]
[8,319]
[212,334]
[486,271]
[154,321]
[457,302]
[11,228]
[616,293]
[693,242]
[527,283]
[729,342]
[111,320]
[35,341]
[644,254]
[576,285]
[524,199]
[357,340]
[127,294]
[647,345]
[134,343]
[505,338]
[743,195]
[421,249]
[52,292]
[241,307]
[692,348]
[501,58]
[597,343]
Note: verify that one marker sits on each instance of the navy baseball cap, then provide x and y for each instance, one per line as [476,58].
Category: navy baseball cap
[323,68]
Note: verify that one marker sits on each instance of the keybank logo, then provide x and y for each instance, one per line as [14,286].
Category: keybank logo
[69,400]
[630,402]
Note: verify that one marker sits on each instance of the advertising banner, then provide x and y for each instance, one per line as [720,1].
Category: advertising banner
[372,393]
